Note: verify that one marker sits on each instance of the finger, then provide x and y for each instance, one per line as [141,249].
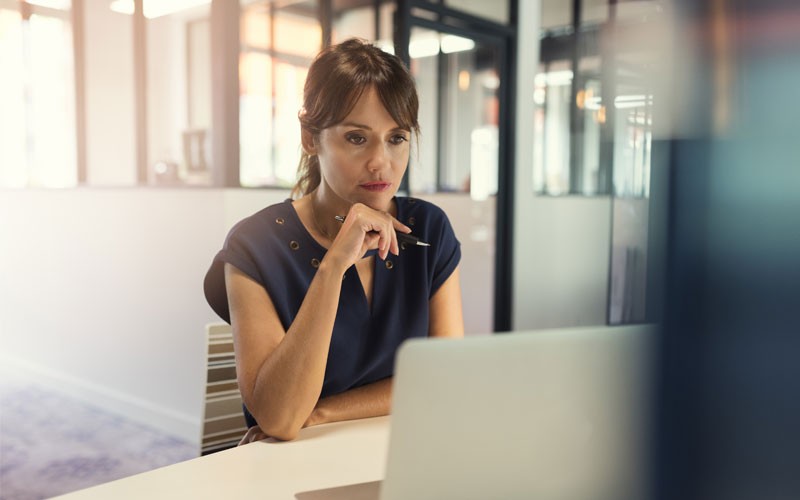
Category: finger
[379,228]
[257,434]
[370,242]
[395,246]
[248,436]
[391,236]
[388,235]
[399,226]
[386,241]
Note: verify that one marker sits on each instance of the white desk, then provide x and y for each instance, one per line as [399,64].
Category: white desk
[324,456]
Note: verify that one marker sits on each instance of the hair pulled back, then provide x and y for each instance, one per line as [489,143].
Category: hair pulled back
[336,80]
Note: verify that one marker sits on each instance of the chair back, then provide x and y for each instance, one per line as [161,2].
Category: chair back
[223,419]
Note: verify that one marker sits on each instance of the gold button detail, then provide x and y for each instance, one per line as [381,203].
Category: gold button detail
[314,263]
[389,264]
[411,221]
[279,220]
[294,245]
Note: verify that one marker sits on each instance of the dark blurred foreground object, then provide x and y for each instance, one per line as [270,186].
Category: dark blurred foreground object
[729,380]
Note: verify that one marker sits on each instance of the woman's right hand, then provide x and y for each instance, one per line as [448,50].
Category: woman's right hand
[365,229]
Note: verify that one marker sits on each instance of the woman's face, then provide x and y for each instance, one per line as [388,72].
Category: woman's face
[363,158]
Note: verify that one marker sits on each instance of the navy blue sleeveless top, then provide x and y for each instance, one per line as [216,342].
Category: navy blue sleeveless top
[273,248]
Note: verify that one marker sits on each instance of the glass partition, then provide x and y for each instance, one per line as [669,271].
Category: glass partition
[497,10]
[457,79]
[362,20]
[37,95]
[593,102]
[178,97]
[278,43]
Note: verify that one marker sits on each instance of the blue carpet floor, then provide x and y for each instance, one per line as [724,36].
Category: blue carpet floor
[51,444]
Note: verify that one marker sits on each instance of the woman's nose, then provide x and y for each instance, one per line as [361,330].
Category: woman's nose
[379,158]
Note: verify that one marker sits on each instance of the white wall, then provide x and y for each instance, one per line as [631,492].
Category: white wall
[561,262]
[474,224]
[101,293]
[561,244]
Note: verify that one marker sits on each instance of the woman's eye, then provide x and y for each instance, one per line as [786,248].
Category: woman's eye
[356,139]
[398,139]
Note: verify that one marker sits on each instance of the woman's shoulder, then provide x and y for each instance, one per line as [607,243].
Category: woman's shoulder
[417,210]
[418,207]
[261,226]
[278,213]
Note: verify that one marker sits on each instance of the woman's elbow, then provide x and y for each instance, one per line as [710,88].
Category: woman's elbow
[286,431]
[284,426]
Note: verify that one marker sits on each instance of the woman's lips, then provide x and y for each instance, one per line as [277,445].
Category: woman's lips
[376,186]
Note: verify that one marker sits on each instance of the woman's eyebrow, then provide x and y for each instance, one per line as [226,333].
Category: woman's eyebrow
[367,127]
[356,125]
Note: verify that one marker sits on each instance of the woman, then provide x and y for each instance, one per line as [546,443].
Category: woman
[320,304]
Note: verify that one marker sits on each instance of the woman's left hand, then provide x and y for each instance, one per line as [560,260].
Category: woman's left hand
[252,435]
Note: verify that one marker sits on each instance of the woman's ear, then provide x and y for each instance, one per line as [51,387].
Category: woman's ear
[307,139]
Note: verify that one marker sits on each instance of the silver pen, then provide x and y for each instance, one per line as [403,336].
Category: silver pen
[408,239]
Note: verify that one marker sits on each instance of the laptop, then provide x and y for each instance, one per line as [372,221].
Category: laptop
[552,414]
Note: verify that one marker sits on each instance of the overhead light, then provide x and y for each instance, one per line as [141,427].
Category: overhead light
[386,46]
[491,81]
[156,8]
[632,101]
[423,47]
[51,4]
[593,102]
[452,43]
[539,95]
[553,78]
[463,80]
[431,45]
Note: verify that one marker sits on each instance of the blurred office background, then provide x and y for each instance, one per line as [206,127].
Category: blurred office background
[602,161]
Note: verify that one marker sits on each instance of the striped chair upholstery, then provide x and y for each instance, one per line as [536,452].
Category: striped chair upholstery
[223,421]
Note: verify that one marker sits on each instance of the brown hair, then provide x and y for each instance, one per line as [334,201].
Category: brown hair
[336,79]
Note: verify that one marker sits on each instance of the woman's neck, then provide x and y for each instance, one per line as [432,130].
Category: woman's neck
[325,206]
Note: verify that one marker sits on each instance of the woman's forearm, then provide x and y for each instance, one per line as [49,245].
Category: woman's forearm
[371,400]
[289,381]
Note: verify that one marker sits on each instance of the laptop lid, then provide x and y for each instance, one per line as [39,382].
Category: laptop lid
[557,414]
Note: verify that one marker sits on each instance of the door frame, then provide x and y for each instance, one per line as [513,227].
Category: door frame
[504,39]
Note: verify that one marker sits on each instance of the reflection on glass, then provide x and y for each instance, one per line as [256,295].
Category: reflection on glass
[594,11]
[632,139]
[629,254]
[593,120]
[278,45]
[52,4]
[556,14]
[355,20]
[632,125]
[178,98]
[157,8]
[551,129]
[496,10]
[37,124]
[457,80]
[13,150]
[110,102]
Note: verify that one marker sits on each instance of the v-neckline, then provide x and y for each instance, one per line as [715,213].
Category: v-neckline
[368,304]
